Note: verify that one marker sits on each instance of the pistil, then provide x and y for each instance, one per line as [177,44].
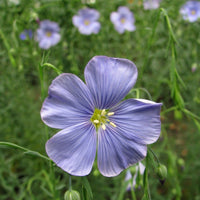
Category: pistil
[100,119]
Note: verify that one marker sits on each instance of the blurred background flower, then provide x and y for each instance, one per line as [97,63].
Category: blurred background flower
[48,34]
[86,21]
[123,19]
[191,11]
[151,4]
[26,34]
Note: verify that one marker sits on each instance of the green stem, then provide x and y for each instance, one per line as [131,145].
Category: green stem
[147,194]
[12,60]
[70,183]
[133,192]
[149,149]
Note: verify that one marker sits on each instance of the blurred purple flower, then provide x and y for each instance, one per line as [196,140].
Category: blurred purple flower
[139,169]
[190,11]
[48,34]
[151,4]
[26,34]
[92,116]
[86,21]
[123,19]
[194,67]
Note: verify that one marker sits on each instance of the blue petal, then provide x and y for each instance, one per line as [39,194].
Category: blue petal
[55,38]
[89,13]
[69,102]
[45,43]
[49,25]
[74,149]
[138,120]
[109,79]
[114,17]
[94,27]
[77,20]
[116,152]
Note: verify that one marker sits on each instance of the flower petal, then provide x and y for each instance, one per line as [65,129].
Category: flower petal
[77,21]
[89,13]
[116,152]
[74,149]
[69,102]
[138,120]
[55,38]
[109,79]
[114,17]
[94,27]
[49,25]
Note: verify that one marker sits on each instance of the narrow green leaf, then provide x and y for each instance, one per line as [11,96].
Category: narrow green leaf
[86,185]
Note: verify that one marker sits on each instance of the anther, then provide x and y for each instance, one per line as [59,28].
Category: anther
[103,112]
[110,113]
[96,121]
[103,126]
[112,124]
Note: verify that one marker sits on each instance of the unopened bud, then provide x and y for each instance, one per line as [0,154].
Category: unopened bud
[162,173]
[178,114]
[72,195]
[181,163]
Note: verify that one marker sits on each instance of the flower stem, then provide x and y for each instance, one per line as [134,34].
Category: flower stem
[70,183]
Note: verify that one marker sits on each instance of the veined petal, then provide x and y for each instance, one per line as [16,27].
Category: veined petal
[69,102]
[138,120]
[73,149]
[109,79]
[116,152]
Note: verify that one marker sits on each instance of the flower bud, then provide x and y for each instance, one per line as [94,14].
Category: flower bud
[72,195]
[162,172]
[181,163]
[178,114]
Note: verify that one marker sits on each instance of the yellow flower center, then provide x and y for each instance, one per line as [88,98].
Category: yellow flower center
[193,12]
[86,22]
[48,34]
[100,119]
[122,20]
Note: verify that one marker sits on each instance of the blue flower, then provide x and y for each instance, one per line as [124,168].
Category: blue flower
[191,11]
[48,34]
[92,116]
[123,19]
[26,34]
[86,21]
[151,4]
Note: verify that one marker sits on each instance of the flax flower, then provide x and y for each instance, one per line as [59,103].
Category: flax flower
[93,117]
[191,11]
[151,4]
[48,34]
[123,19]
[26,34]
[86,21]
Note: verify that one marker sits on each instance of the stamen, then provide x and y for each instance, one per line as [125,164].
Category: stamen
[96,121]
[110,113]
[103,112]
[193,12]
[86,22]
[103,126]
[122,20]
[48,34]
[112,124]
